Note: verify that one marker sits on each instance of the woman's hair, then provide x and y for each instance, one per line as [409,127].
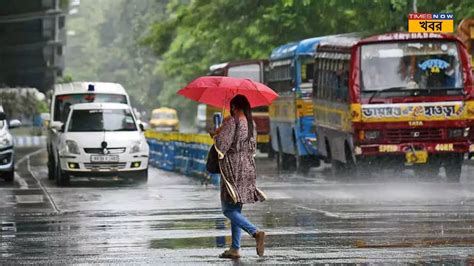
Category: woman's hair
[240,102]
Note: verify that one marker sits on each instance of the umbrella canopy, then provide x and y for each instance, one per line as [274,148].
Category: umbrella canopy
[218,91]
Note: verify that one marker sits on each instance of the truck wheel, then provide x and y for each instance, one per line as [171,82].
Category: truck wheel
[10,175]
[345,170]
[304,163]
[284,161]
[271,153]
[62,179]
[453,167]
[282,158]
[338,169]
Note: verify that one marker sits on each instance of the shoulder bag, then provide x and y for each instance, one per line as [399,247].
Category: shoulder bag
[212,164]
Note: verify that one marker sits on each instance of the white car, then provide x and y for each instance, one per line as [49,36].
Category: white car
[101,140]
[7,153]
[67,94]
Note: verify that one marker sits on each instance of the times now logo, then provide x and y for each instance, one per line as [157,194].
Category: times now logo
[429,16]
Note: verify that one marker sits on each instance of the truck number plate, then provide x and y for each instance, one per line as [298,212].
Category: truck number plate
[104,158]
[416,157]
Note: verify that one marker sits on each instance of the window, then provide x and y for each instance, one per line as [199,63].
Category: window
[63,102]
[331,77]
[280,77]
[164,115]
[307,70]
[423,65]
[245,71]
[102,120]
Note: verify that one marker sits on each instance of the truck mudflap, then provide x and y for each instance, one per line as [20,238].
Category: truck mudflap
[309,143]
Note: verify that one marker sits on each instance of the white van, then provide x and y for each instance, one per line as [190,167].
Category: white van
[102,140]
[67,94]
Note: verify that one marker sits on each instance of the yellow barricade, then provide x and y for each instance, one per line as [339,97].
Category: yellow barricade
[181,137]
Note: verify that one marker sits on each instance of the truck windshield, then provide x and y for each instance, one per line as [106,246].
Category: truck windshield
[251,71]
[201,112]
[102,120]
[425,65]
[62,103]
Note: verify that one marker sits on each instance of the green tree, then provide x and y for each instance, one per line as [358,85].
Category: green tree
[104,46]
[198,33]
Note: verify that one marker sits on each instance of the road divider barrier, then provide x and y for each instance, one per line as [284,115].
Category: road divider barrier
[180,152]
[29,141]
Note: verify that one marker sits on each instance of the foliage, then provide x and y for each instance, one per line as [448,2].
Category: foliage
[21,103]
[104,46]
[154,47]
[199,33]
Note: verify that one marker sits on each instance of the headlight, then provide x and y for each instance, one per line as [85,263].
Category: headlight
[137,146]
[371,135]
[72,147]
[455,133]
[5,141]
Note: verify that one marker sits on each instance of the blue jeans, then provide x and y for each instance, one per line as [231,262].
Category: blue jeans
[237,222]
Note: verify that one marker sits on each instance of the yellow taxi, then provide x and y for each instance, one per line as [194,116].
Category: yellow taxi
[164,119]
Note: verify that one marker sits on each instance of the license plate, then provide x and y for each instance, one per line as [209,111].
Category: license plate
[416,157]
[104,158]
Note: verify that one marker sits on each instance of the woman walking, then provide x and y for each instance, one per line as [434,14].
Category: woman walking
[235,142]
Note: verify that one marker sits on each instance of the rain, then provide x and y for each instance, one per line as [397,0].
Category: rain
[361,147]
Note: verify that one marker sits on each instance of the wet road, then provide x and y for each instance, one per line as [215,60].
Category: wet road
[176,219]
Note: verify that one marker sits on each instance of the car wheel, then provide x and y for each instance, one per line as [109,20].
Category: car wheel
[10,175]
[51,168]
[142,176]
[62,179]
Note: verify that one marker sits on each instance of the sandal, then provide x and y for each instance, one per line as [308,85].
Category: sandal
[230,254]
[260,239]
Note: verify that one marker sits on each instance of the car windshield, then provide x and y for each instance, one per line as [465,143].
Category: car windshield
[102,120]
[164,116]
[422,65]
[63,102]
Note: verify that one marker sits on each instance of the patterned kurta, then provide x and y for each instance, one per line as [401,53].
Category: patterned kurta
[237,163]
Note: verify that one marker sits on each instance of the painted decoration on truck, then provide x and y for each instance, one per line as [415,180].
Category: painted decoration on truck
[418,111]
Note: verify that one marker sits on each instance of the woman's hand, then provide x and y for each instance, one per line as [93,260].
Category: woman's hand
[217,131]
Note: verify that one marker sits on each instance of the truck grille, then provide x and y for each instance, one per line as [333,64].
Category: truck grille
[419,134]
[105,166]
[100,150]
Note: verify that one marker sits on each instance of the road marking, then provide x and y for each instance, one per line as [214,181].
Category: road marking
[21,181]
[29,199]
[7,230]
[326,213]
[48,196]
[40,184]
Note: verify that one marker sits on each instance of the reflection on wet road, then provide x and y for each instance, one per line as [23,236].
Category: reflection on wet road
[175,219]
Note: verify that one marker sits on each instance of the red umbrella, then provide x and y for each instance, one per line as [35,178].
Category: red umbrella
[218,91]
